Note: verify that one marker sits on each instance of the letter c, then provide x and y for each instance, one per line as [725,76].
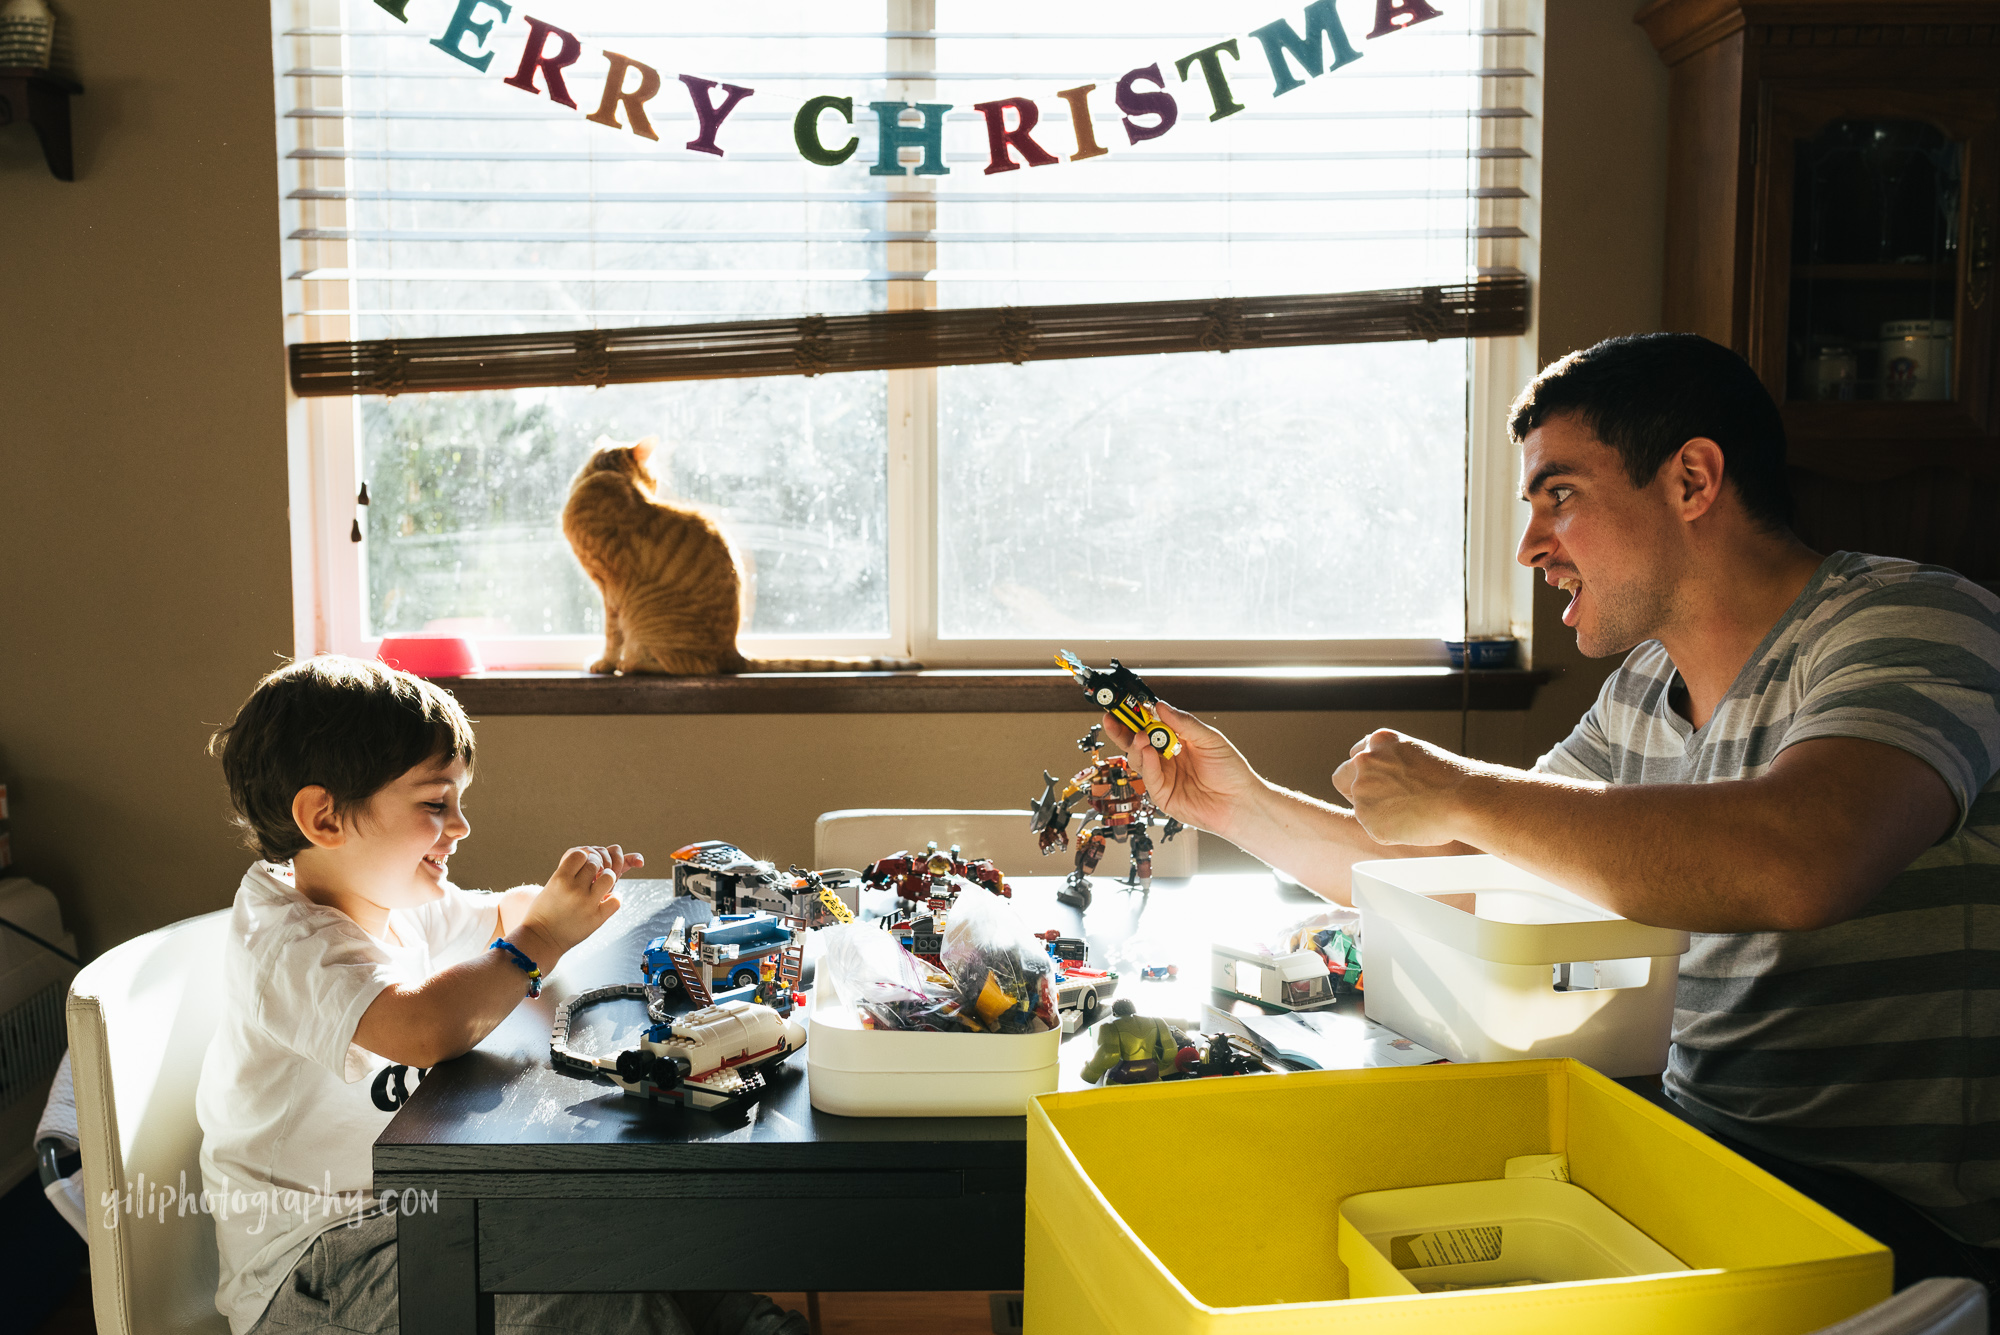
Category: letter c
[805,131]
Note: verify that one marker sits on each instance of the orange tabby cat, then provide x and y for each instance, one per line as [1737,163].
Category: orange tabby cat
[674,595]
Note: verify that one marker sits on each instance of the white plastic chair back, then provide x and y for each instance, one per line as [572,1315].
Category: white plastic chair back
[857,837]
[140,1018]
[1928,1307]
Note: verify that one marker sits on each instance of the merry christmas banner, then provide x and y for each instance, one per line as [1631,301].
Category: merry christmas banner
[1144,96]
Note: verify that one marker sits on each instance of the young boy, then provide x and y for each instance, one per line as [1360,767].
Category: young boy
[353,965]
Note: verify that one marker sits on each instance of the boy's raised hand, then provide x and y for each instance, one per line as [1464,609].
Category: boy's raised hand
[1208,785]
[577,900]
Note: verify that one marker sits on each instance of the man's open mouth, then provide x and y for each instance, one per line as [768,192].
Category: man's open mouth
[1573,586]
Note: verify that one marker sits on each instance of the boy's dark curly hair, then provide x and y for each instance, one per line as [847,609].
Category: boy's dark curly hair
[351,726]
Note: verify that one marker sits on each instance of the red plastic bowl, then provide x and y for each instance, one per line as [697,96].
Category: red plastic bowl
[431,655]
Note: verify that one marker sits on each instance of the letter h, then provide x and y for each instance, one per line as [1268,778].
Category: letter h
[894,135]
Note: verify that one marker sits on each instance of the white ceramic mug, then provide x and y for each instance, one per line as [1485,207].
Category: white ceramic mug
[1916,359]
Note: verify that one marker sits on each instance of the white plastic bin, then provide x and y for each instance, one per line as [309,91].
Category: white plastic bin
[896,1073]
[1506,1231]
[1481,985]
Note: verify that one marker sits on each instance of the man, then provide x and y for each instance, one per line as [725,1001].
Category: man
[1795,762]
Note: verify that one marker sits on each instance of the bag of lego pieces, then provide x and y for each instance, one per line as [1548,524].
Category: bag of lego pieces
[1336,934]
[888,986]
[1001,970]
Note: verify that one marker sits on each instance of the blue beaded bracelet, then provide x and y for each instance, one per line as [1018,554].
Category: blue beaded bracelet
[527,965]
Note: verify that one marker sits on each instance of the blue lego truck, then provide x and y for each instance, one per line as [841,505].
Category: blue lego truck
[733,944]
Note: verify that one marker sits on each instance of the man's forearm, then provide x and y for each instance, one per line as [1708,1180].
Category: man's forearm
[1315,842]
[1721,857]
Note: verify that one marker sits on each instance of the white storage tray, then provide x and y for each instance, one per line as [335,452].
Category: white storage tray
[891,1073]
[1503,1231]
[1480,985]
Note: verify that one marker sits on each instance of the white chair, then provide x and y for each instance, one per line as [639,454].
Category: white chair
[140,1018]
[857,837]
[1928,1307]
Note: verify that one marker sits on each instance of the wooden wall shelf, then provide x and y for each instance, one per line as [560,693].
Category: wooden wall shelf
[1878,273]
[42,100]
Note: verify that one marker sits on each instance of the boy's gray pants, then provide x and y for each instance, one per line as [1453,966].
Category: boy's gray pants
[346,1281]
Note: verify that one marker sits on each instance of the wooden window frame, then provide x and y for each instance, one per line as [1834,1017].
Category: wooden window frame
[909,341]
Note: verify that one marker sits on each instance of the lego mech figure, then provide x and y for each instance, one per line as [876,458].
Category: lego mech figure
[926,884]
[926,877]
[1118,808]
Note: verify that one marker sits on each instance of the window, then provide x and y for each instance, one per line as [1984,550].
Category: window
[1280,505]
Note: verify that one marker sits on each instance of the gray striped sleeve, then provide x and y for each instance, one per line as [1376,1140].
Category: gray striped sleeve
[1587,752]
[1911,665]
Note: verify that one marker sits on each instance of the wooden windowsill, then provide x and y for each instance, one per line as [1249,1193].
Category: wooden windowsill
[988,691]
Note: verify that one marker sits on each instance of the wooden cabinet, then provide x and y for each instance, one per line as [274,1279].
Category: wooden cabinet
[1833,193]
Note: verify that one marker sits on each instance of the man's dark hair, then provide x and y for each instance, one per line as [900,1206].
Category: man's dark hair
[1646,395]
[350,726]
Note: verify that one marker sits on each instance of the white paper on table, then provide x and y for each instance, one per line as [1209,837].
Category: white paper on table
[1322,1040]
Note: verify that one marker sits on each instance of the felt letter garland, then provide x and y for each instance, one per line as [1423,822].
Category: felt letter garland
[535,56]
[634,99]
[1079,121]
[1139,105]
[462,26]
[710,115]
[1390,15]
[1135,103]
[805,131]
[1211,69]
[999,137]
[1278,38]
[892,135]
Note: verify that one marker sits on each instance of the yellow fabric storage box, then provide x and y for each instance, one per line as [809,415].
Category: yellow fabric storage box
[1213,1206]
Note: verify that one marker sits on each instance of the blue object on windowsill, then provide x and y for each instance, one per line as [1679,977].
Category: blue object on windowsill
[1493,653]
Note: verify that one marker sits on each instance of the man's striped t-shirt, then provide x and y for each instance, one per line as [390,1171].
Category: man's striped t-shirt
[1872,1046]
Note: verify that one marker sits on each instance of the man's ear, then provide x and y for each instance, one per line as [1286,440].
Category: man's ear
[312,811]
[1697,478]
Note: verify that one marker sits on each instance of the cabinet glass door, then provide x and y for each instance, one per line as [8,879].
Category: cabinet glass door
[1870,318]
[1876,222]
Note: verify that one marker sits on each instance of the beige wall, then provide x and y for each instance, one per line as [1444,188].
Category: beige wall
[1603,246]
[144,552]
[660,781]
[143,547]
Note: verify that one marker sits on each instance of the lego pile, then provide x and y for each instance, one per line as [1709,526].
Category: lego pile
[995,977]
[1336,936]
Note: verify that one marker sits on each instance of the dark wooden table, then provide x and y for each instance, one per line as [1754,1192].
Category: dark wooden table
[547,1183]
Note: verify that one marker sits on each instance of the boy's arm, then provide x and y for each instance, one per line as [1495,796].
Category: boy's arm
[514,908]
[448,1013]
[422,1024]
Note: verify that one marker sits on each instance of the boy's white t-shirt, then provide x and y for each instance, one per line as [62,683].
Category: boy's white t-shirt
[289,1104]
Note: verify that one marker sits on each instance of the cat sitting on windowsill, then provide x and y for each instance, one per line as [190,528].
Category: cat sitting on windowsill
[673,587]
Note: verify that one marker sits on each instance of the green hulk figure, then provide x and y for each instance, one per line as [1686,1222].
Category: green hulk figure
[1134,1049]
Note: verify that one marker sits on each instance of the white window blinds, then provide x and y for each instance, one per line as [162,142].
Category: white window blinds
[435,198]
